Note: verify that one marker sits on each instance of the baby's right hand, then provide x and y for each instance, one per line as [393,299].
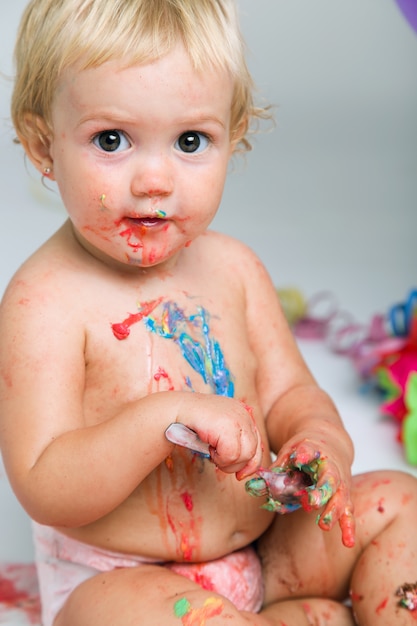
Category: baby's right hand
[226,431]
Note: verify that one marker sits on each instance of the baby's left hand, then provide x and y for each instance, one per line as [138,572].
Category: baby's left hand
[330,490]
[332,484]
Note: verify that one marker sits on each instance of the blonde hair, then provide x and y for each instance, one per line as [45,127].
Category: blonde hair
[57,34]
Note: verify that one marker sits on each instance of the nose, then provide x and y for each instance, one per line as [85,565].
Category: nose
[153,177]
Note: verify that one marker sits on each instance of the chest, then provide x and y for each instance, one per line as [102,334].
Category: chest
[167,342]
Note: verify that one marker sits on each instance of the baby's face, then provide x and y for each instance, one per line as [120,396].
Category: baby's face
[140,156]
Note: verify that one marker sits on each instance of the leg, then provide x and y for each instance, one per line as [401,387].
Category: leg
[151,595]
[300,560]
[390,556]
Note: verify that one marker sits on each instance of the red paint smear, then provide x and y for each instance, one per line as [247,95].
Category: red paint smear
[378,483]
[382,606]
[347,525]
[169,463]
[204,581]
[188,500]
[406,498]
[195,573]
[122,329]
[171,523]
[136,232]
[161,373]
[14,598]
[356,597]
[186,549]
[9,594]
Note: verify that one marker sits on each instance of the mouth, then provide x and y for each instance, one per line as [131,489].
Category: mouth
[145,222]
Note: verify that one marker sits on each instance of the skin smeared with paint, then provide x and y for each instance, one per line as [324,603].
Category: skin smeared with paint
[191,333]
[408,596]
[197,617]
[204,355]
[288,489]
[282,487]
[122,330]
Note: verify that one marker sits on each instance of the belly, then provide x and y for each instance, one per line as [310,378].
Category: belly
[186,510]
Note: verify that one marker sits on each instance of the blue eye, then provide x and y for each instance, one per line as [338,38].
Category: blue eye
[192,141]
[111,141]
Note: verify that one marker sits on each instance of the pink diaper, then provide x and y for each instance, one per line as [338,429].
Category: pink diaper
[64,563]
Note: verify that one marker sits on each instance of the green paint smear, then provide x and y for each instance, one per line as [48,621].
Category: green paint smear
[182,607]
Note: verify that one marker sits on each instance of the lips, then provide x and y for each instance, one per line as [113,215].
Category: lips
[145,222]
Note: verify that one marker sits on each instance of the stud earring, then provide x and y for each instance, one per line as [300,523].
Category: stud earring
[47,171]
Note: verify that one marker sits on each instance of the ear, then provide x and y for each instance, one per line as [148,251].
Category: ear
[37,143]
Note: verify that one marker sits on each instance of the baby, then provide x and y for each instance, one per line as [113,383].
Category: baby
[135,317]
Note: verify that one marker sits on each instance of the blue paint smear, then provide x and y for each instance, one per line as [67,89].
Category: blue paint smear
[205,356]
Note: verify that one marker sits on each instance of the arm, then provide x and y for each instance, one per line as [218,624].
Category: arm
[64,471]
[302,422]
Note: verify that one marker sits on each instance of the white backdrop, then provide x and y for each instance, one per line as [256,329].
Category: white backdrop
[328,199]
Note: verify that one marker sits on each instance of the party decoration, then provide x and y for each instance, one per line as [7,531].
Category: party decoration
[409,10]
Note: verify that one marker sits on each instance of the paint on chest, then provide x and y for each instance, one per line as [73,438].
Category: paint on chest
[192,336]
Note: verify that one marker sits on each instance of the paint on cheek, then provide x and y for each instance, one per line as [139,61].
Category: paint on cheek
[103,207]
[197,617]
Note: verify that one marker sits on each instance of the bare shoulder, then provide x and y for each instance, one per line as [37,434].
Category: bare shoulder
[49,278]
[42,304]
[230,253]
[225,244]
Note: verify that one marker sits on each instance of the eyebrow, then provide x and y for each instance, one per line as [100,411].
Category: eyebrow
[201,119]
[112,119]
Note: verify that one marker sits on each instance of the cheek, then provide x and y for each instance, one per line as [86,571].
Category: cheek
[208,192]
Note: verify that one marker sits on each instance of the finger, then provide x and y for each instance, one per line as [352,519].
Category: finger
[234,457]
[340,509]
[347,526]
[316,498]
[255,462]
[305,453]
